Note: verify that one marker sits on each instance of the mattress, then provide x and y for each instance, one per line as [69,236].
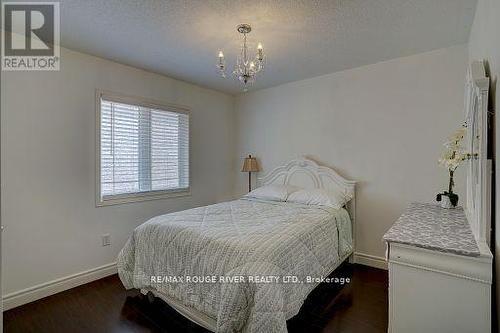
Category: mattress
[247,264]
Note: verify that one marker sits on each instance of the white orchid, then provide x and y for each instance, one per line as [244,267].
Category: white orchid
[451,159]
[459,134]
[454,153]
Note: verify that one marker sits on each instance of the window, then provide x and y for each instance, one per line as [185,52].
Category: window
[143,150]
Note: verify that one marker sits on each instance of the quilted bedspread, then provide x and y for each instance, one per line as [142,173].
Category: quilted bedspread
[244,263]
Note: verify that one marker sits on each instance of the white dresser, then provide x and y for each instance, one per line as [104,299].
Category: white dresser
[439,277]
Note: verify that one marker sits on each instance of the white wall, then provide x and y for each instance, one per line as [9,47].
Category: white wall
[52,227]
[382,125]
[484,44]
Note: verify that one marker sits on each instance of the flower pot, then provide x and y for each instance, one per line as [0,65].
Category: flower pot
[446,202]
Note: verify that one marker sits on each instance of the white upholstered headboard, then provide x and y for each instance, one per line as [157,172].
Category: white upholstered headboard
[478,207]
[308,174]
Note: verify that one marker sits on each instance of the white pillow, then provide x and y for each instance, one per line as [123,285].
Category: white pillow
[272,192]
[320,197]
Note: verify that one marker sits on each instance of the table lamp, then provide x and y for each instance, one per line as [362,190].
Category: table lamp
[250,165]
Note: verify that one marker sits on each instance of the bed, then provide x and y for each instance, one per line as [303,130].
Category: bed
[243,265]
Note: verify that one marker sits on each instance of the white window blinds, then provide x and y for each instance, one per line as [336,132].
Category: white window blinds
[142,149]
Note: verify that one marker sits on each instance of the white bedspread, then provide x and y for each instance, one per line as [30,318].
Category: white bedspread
[242,238]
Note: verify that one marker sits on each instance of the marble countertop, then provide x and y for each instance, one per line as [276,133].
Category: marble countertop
[431,227]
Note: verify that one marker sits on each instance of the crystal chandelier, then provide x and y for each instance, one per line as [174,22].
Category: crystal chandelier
[247,67]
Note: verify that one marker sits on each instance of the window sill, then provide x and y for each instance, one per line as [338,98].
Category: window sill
[139,197]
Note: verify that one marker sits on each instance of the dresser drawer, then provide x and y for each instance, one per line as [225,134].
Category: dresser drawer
[472,268]
[423,299]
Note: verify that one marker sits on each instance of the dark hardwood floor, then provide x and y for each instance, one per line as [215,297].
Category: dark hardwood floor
[105,306]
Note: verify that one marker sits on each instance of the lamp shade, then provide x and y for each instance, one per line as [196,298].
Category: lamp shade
[250,164]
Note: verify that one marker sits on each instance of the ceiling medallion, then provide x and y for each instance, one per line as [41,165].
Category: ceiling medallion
[247,67]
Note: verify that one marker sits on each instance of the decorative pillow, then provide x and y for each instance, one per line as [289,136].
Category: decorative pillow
[272,192]
[320,197]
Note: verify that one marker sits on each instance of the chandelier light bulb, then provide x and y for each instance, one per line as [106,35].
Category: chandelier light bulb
[221,66]
[260,53]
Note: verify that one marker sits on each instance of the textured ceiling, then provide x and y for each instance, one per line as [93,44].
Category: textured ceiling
[301,39]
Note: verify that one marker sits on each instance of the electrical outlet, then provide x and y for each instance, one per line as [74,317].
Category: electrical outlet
[106,239]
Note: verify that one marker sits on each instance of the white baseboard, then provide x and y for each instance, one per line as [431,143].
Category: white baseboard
[31,294]
[370,260]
